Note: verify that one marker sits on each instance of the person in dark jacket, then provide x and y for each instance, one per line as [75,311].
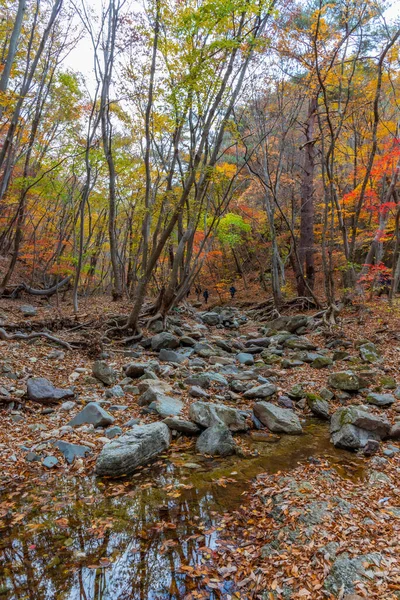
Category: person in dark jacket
[384,284]
[232,290]
[205,296]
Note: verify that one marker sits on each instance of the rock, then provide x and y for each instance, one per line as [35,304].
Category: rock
[263,342]
[245,359]
[115,392]
[291,364]
[103,372]
[131,389]
[166,406]
[370,353]
[32,457]
[171,356]
[197,392]
[318,406]
[208,414]
[387,382]
[118,407]
[394,432]
[132,422]
[286,402]
[351,428]
[261,391]
[67,406]
[278,420]
[133,449]
[326,394]
[50,462]
[40,389]
[28,310]
[345,380]
[346,572]
[296,392]
[371,447]
[210,318]
[216,441]
[93,414]
[182,426]
[112,432]
[153,392]
[164,340]
[380,399]
[135,370]
[71,451]
[269,357]
[299,343]
[207,379]
[321,361]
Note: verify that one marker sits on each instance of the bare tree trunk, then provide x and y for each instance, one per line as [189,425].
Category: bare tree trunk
[12,49]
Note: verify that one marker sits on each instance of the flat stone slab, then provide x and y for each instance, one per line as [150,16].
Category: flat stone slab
[277,419]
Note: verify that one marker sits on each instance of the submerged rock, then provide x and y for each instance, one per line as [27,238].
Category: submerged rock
[216,441]
[278,420]
[137,447]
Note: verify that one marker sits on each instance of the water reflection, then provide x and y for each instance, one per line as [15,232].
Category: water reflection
[143,539]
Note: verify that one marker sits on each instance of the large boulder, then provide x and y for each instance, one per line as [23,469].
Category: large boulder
[92,414]
[345,381]
[351,427]
[164,340]
[103,372]
[210,318]
[277,419]
[216,441]
[42,390]
[137,447]
[261,391]
[208,414]
[347,572]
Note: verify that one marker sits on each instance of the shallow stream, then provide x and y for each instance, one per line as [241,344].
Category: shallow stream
[87,539]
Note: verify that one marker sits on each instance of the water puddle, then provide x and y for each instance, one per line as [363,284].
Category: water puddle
[146,538]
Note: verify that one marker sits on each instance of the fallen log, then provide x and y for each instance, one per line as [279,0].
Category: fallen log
[30,336]
[46,293]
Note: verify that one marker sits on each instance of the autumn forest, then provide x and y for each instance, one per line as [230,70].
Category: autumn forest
[199,299]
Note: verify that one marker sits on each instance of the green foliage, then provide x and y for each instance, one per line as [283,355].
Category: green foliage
[231,228]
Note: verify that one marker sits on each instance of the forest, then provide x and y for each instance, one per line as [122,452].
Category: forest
[199,299]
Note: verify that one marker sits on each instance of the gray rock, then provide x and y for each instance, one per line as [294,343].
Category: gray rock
[182,426]
[93,414]
[115,392]
[299,343]
[50,462]
[261,391]
[326,394]
[103,372]
[67,406]
[112,432]
[296,392]
[264,342]
[206,379]
[318,406]
[278,420]
[370,353]
[135,370]
[352,427]
[71,451]
[137,447]
[380,399]
[171,356]
[40,389]
[28,310]
[346,572]
[210,318]
[395,431]
[164,340]
[245,359]
[197,392]
[371,447]
[216,441]
[166,406]
[321,361]
[346,381]
[208,414]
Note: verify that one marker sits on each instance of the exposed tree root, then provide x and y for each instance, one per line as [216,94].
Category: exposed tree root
[46,293]
[31,336]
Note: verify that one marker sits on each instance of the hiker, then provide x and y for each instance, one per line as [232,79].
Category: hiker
[384,284]
[205,296]
[197,290]
[232,290]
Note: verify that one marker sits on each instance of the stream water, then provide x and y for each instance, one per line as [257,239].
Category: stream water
[87,539]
